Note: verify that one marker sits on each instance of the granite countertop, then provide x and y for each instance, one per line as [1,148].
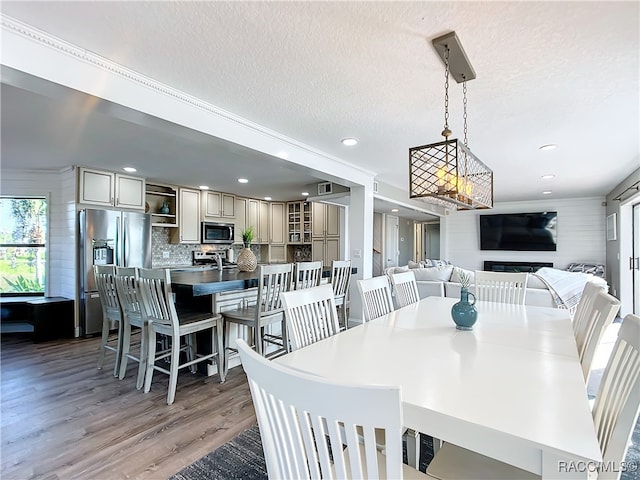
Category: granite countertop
[198,282]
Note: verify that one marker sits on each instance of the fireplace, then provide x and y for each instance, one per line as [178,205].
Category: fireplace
[491,266]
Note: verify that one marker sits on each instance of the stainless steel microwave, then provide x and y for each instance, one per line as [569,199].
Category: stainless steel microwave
[220,233]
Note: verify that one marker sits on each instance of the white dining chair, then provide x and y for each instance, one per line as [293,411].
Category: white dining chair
[126,280]
[341,280]
[376,297]
[405,289]
[159,311]
[306,422]
[307,275]
[501,287]
[310,315]
[111,313]
[594,319]
[585,305]
[615,413]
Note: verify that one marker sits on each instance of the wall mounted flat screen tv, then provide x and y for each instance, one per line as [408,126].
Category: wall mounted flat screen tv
[519,231]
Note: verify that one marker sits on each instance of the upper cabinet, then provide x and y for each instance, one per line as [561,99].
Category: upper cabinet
[161,204]
[188,230]
[277,234]
[299,222]
[107,189]
[218,205]
[325,220]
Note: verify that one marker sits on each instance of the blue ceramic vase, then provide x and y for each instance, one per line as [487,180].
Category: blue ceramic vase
[464,313]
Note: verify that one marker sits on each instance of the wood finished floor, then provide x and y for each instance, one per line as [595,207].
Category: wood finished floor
[61,418]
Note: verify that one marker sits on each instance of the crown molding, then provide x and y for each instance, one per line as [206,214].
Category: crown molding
[43,38]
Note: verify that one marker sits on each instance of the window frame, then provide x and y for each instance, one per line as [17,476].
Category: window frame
[47,245]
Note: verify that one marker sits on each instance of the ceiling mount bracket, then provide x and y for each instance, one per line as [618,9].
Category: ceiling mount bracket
[459,66]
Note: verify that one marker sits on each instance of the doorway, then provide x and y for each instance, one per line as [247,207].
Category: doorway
[431,243]
[391,249]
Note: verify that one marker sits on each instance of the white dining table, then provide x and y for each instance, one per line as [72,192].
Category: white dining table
[512,388]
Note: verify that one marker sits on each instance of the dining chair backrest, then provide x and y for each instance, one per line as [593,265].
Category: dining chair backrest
[310,315]
[300,418]
[405,288]
[617,403]
[105,282]
[157,298]
[595,320]
[273,280]
[307,274]
[501,287]
[340,277]
[585,305]
[126,285]
[376,297]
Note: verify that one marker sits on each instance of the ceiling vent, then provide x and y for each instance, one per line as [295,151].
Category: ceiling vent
[325,188]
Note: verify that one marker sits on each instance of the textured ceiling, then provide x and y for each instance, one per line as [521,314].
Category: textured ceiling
[547,72]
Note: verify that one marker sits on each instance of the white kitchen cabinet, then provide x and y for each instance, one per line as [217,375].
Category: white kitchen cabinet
[299,222]
[277,235]
[253,216]
[218,205]
[325,233]
[241,218]
[263,234]
[108,189]
[188,230]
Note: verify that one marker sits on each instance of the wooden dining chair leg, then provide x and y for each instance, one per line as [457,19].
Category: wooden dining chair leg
[190,343]
[126,346]
[144,351]
[173,369]
[151,355]
[257,338]
[217,339]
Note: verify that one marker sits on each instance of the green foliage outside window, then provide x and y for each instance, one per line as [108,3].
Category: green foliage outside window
[22,244]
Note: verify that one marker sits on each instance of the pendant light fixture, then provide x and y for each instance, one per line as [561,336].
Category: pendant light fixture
[447,172]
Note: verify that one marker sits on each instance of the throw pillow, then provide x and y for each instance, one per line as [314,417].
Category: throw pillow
[413,264]
[438,274]
[436,263]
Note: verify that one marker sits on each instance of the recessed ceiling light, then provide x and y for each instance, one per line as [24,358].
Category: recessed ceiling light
[395,210]
[547,192]
[550,146]
[203,187]
[305,194]
[548,177]
[349,141]
[129,169]
[268,198]
[243,180]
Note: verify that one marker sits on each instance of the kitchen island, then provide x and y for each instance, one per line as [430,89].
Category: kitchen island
[209,281]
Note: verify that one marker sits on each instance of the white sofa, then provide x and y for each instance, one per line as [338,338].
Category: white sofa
[444,281]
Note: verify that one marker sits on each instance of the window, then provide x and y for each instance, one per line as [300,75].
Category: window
[22,244]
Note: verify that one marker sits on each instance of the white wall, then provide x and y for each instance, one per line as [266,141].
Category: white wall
[581,234]
[59,188]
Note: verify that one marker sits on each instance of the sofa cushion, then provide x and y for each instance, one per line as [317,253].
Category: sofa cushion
[442,274]
[435,263]
[413,264]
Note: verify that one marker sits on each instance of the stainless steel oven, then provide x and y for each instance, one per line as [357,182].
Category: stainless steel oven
[219,233]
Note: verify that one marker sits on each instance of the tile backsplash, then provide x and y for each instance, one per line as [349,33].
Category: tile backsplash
[180,254]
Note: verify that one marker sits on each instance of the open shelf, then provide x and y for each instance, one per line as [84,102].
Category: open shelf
[156,196]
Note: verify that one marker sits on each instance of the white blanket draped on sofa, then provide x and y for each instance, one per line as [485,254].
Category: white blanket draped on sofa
[565,287]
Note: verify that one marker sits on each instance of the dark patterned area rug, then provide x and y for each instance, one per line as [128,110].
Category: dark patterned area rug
[242,458]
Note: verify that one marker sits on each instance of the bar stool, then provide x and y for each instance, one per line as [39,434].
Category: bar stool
[111,312]
[272,281]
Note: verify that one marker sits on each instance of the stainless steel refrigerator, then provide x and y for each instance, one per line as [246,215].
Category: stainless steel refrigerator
[108,237]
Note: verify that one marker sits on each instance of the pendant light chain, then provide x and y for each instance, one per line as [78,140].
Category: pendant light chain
[446,132]
[464,103]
